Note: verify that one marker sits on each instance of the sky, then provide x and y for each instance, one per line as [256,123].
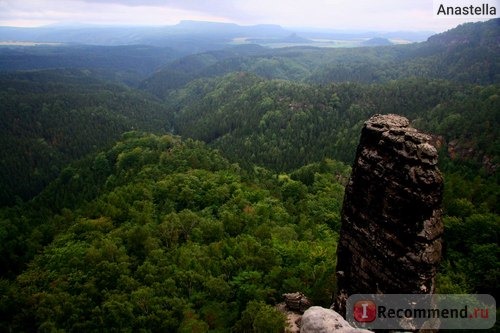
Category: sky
[363,15]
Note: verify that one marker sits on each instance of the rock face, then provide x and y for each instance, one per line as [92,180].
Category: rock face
[390,239]
[320,320]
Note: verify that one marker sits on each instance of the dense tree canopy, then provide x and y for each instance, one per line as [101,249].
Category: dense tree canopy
[174,237]
[283,125]
[50,118]
[108,223]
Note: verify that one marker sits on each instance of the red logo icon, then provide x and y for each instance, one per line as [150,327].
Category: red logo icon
[365,311]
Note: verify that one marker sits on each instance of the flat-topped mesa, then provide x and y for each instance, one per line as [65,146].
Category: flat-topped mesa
[390,239]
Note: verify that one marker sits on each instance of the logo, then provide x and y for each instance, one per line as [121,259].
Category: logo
[365,311]
[465,8]
[415,311]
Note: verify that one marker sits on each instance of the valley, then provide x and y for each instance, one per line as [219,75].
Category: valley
[185,183]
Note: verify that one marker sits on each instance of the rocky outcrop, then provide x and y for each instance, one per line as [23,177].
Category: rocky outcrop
[293,307]
[320,320]
[297,302]
[390,239]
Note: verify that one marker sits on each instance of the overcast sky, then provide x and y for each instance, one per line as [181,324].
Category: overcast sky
[380,15]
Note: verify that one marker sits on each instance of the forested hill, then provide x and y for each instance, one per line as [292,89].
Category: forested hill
[109,221]
[51,118]
[127,63]
[484,34]
[160,234]
[466,54]
[55,116]
[282,124]
[465,48]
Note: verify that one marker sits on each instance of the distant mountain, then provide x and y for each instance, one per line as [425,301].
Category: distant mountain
[404,36]
[466,54]
[290,39]
[127,63]
[192,35]
[377,41]
[469,52]
[189,36]
[94,35]
[228,29]
[470,34]
[47,115]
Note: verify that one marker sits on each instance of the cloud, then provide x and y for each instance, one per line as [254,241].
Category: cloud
[127,12]
[211,8]
[340,14]
[334,14]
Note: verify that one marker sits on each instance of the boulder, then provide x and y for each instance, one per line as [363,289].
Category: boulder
[297,302]
[320,320]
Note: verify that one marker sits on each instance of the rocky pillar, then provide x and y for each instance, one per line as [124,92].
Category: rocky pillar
[390,239]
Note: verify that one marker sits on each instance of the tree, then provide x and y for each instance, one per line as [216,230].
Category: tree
[260,317]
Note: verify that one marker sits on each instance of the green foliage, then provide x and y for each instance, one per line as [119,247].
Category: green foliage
[466,54]
[51,118]
[259,317]
[124,63]
[172,239]
[159,233]
[284,125]
[472,231]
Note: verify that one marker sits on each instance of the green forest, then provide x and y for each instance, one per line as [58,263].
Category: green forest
[191,198]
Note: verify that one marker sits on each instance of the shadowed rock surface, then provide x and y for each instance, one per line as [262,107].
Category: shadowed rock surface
[390,239]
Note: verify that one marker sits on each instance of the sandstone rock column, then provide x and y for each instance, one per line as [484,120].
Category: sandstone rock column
[390,239]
